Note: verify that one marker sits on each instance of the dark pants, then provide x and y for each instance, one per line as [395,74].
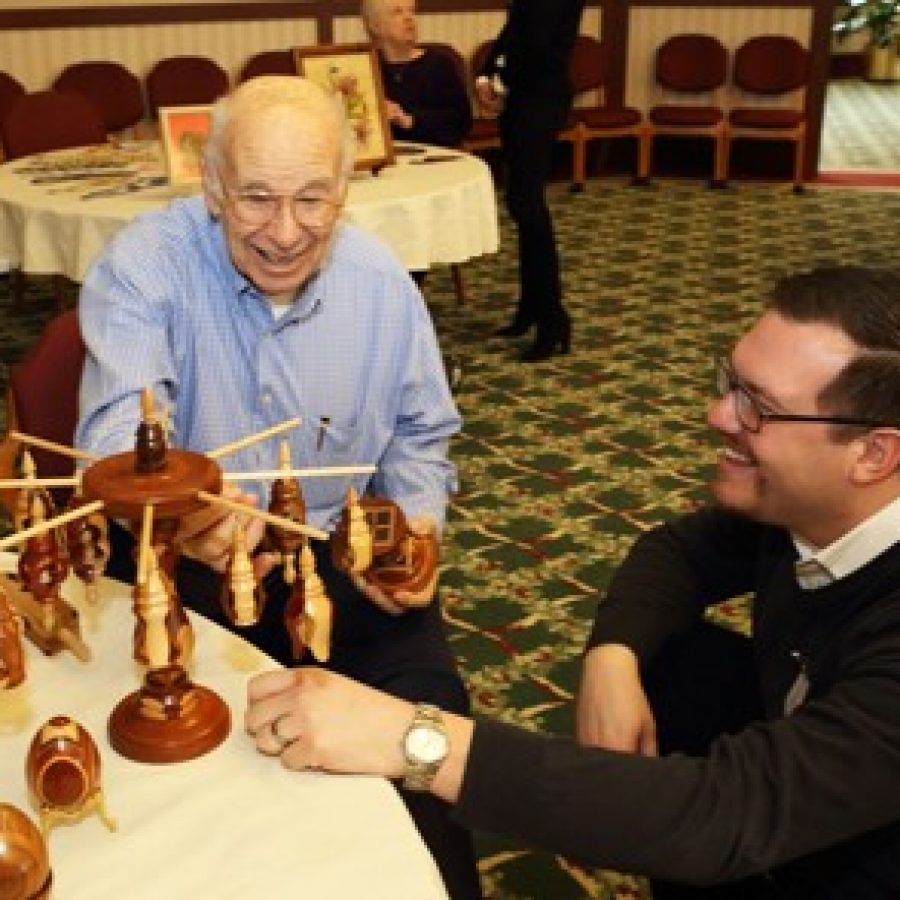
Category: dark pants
[528,128]
[407,656]
[701,686]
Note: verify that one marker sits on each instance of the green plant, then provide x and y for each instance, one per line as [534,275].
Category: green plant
[880,17]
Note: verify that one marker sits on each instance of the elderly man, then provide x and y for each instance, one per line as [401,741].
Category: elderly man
[764,767]
[254,304]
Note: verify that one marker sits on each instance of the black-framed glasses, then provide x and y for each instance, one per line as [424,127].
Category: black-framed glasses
[257,208]
[752,414]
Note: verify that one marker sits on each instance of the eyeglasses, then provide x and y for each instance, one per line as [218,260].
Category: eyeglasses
[752,414]
[258,208]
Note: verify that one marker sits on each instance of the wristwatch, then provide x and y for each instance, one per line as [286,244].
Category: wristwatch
[425,747]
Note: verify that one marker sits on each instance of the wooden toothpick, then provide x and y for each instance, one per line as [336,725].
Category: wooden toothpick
[52,445]
[265,474]
[243,509]
[253,438]
[21,536]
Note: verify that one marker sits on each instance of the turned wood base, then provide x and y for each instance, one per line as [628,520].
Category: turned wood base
[169,719]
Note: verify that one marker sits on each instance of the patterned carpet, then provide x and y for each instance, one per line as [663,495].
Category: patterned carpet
[563,463]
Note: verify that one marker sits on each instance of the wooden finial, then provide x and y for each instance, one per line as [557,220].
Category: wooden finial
[147,405]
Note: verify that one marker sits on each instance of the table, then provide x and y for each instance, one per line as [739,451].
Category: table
[231,824]
[432,206]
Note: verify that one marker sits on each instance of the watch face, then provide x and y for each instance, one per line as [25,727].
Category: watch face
[426,745]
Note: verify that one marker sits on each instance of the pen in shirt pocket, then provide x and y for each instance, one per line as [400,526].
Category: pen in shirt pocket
[324,422]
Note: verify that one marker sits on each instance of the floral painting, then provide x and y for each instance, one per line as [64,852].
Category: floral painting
[351,72]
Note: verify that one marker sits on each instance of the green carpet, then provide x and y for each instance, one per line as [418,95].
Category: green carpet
[563,463]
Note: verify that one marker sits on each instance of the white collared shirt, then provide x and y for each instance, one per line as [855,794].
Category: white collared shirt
[819,567]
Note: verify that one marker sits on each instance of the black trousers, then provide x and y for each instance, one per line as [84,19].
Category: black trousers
[407,656]
[528,129]
[700,686]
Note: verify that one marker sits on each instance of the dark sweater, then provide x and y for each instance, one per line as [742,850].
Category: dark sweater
[812,798]
[431,91]
[531,53]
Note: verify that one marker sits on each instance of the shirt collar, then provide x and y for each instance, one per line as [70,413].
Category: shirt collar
[819,567]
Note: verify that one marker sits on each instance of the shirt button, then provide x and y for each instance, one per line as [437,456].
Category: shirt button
[266,398]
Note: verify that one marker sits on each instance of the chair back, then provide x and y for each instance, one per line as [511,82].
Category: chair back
[43,392]
[10,91]
[112,88]
[184,81]
[587,66]
[50,120]
[692,63]
[771,64]
[268,62]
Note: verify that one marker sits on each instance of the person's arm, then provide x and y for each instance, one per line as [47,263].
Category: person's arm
[415,470]
[441,113]
[671,574]
[773,793]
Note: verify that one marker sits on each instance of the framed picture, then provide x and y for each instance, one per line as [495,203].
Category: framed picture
[352,72]
[184,130]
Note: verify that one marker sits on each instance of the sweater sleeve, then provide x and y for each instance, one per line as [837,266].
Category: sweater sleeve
[775,792]
[673,573]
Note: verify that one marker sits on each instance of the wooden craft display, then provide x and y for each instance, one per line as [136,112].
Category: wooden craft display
[170,718]
[24,864]
[62,769]
[12,656]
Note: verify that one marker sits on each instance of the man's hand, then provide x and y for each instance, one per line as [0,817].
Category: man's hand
[315,719]
[208,534]
[421,525]
[612,709]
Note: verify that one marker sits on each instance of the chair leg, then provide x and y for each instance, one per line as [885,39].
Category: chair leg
[799,154]
[579,159]
[720,160]
[459,286]
[645,154]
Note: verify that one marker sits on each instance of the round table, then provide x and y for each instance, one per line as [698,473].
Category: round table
[431,206]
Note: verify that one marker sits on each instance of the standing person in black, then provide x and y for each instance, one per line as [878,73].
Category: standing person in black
[526,81]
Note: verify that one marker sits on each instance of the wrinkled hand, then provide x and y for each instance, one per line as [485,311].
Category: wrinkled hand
[612,708]
[404,600]
[315,719]
[208,534]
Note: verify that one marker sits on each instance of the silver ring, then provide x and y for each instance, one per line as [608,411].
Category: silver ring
[282,740]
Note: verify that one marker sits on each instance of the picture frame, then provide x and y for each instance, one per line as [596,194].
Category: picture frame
[353,72]
[183,130]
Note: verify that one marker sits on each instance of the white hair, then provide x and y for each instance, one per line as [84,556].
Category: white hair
[299,96]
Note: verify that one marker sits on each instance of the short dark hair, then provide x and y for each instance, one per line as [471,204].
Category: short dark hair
[864,303]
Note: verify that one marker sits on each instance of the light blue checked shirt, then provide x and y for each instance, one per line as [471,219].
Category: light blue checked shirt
[163,306]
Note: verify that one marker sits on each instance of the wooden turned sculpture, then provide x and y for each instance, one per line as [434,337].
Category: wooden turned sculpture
[24,865]
[401,561]
[169,719]
[12,657]
[286,502]
[62,769]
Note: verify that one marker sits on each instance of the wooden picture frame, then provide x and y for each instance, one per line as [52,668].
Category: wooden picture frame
[352,71]
[183,130]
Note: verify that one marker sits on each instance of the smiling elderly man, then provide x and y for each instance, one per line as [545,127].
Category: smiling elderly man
[254,304]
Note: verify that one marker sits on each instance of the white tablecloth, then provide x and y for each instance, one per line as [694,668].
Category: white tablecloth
[231,824]
[437,212]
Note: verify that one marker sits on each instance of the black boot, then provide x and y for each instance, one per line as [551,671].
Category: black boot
[553,338]
[521,324]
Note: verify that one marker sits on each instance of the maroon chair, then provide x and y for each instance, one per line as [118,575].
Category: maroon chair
[184,81]
[10,91]
[268,62]
[690,64]
[772,66]
[112,88]
[50,120]
[42,399]
[587,70]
